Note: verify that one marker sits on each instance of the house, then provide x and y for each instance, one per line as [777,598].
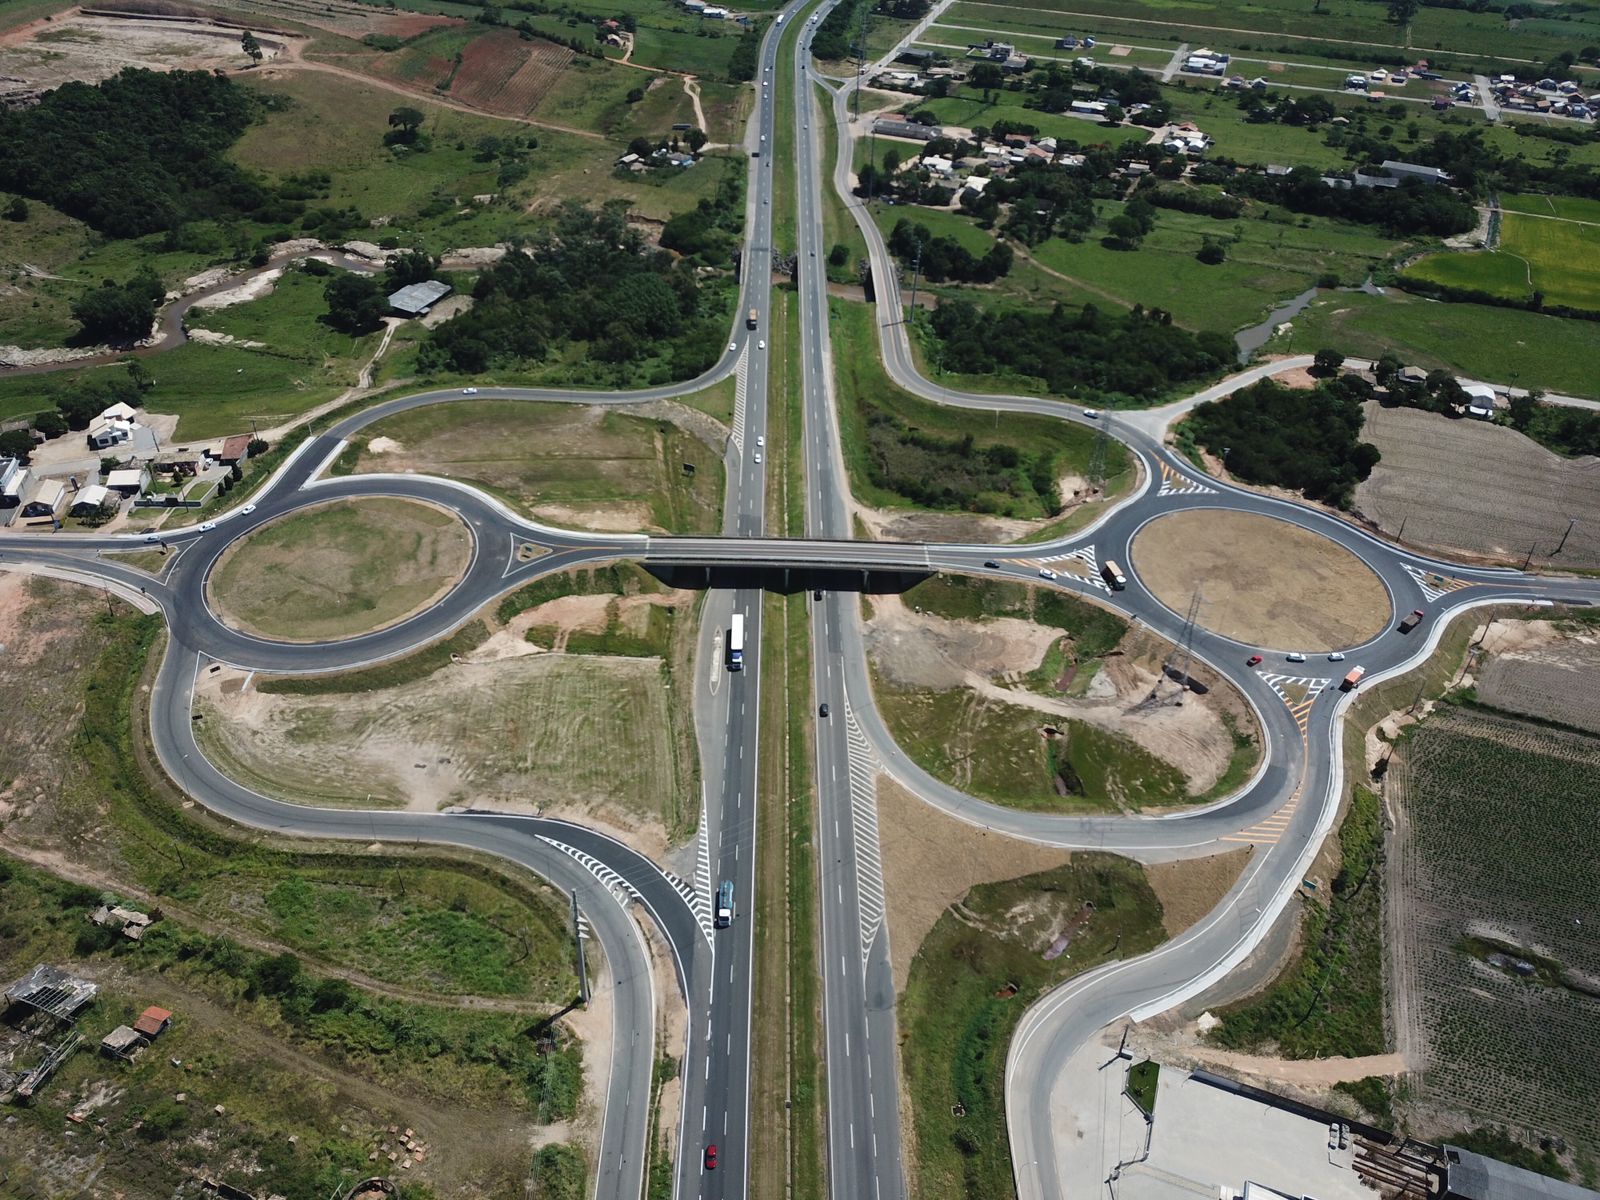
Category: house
[695,5]
[1412,375]
[1014,64]
[235,449]
[90,500]
[12,477]
[51,990]
[130,921]
[179,462]
[974,186]
[122,1042]
[415,299]
[1278,170]
[1480,400]
[1067,43]
[48,497]
[1088,108]
[1469,1176]
[153,1021]
[716,14]
[1356,83]
[938,165]
[129,481]
[119,412]
[105,434]
[915,57]
[892,127]
[1405,170]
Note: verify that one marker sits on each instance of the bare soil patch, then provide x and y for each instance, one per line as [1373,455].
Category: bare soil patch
[1477,489]
[931,860]
[1263,581]
[1190,888]
[338,569]
[1538,669]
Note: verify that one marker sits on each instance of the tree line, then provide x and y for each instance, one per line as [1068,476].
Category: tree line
[943,258]
[1136,356]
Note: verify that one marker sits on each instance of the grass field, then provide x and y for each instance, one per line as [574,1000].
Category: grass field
[973,977]
[968,112]
[1483,797]
[346,567]
[1541,249]
[573,465]
[1500,345]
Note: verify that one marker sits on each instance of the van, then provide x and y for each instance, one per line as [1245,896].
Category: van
[725,904]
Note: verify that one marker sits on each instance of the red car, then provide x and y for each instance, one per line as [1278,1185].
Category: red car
[1255,661]
[711,1157]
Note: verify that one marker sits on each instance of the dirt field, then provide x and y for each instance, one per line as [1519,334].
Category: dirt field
[582,467]
[76,46]
[988,658]
[339,569]
[1478,489]
[1264,582]
[499,72]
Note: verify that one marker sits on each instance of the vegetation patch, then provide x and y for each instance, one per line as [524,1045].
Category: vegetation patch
[986,960]
[1330,1000]
[349,566]
[1141,1088]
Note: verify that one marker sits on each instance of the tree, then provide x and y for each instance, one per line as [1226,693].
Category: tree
[635,95]
[355,303]
[407,121]
[1126,233]
[50,424]
[17,210]
[1326,362]
[251,47]
[1387,367]
[17,444]
[1521,411]
[138,375]
[1212,253]
[1115,114]
[985,75]
[115,314]
[839,255]
[1401,12]
[891,162]
[256,448]
[696,139]
[413,266]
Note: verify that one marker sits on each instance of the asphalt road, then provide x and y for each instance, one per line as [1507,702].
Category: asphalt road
[1285,811]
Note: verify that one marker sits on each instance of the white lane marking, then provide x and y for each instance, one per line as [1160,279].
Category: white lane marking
[863,767]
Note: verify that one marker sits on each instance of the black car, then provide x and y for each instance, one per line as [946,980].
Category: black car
[992,565]
[822,711]
[816,593]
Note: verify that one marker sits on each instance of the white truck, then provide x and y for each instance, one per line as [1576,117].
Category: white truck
[736,643]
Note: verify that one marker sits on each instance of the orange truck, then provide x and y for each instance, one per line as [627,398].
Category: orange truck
[1410,623]
[1352,678]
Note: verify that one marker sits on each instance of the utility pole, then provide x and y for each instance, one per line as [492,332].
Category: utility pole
[1571,521]
[1529,559]
[577,937]
[1186,645]
[916,269]
[1401,532]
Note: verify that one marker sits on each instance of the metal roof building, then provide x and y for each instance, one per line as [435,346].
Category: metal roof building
[1470,1176]
[415,299]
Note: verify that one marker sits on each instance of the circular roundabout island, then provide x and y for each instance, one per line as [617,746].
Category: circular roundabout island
[340,569]
[1262,581]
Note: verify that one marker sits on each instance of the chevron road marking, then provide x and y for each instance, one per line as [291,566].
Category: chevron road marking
[1269,831]
[1299,692]
[1084,554]
[864,822]
[1434,585]
[609,879]
[737,436]
[1176,483]
[701,902]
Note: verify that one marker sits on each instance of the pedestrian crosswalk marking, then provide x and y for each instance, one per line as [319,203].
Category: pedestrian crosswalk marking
[1433,584]
[1084,555]
[1299,693]
[863,766]
[1176,483]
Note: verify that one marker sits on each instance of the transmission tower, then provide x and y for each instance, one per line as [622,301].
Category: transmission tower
[1097,459]
[1185,649]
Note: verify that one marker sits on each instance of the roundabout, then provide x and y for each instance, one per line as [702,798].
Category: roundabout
[1261,581]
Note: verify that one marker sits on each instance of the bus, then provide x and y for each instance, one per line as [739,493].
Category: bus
[1114,576]
[736,643]
[724,916]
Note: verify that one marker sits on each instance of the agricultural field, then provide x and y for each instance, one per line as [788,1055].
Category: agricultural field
[1540,250]
[1028,698]
[1558,683]
[581,466]
[1498,345]
[341,568]
[1497,852]
[1419,482]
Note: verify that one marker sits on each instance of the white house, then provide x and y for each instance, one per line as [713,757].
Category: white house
[1480,400]
[91,499]
[129,481]
[974,186]
[46,500]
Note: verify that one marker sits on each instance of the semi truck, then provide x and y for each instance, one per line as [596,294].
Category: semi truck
[1114,576]
[736,643]
[752,320]
[1352,677]
[1410,622]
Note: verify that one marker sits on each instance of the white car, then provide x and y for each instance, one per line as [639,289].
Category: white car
[1091,413]
[763,137]
[732,346]
[206,525]
[1295,657]
[761,439]
[469,391]
[247,510]
[758,458]
[1046,573]
[1336,657]
[152,537]
[761,345]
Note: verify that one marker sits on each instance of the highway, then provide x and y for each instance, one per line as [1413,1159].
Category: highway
[1296,790]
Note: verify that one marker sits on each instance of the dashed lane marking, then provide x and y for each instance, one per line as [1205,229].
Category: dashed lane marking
[1299,692]
[1176,483]
[863,767]
[1433,584]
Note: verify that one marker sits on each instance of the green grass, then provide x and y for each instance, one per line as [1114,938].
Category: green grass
[625,579]
[1329,1002]
[1535,254]
[973,977]
[1268,261]
[865,389]
[1141,1088]
[1499,345]
[573,465]
[340,568]
[1008,106]
[417,665]
[1374,1093]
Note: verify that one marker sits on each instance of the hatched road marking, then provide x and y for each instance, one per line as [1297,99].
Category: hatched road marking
[1085,555]
[609,879]
[1299,692]
[701,898]
[737,436]
[1434,585]
[864,822]
[1269,831]
[1176,483]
